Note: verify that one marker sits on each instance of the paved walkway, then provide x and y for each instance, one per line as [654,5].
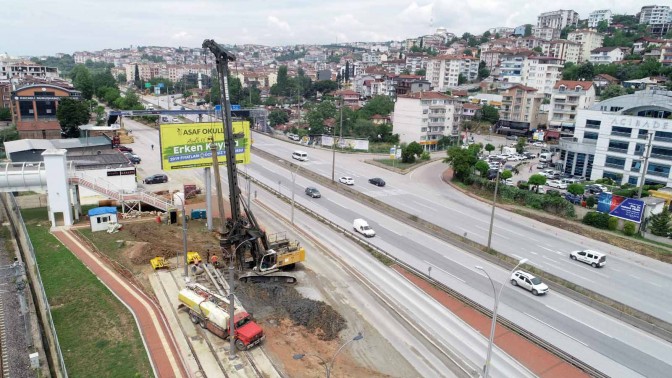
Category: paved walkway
[156,335]
[540,361]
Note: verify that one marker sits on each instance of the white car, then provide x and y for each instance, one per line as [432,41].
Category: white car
[347,180]
[175,119]
[528,282]
[557,184]
[592,258]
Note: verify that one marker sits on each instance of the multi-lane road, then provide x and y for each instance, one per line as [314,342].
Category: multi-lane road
[611,346]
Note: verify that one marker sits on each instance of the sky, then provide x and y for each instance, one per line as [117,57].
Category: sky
[46,27]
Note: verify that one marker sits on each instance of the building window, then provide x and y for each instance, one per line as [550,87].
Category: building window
[614,162]
[661,136]
[423,129]
[635,166]
[617,177]
[621,131]
[593,124]
[661,153]
[658,170]
[580,162]
[589,135]
[589,166]
[632,180]
[618,146]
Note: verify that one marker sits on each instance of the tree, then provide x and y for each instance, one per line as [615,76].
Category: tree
[602,26]
[278,117]
[5,114]
[71,114]
[506,174]
[413,150]
[482,167]
[660,223]
[319,114]
[612,90]
[528,30]
[325,86]
[281,87]
[346,74]
[520,145]
[537,180]
[489,114]
[576,189]
[538,49]
[468,52]
[489,147]
[381,105]
[483,71]
[421,72]
[461,160]
[136,78]
[81,78]
[461,79]
[586,71]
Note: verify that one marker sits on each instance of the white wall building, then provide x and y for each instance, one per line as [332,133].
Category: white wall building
[443,71]
[558,19]
[606,55]
[566,50]
[588,40]
[599,15]
[655,14]
[610,139]
[426,117]
[545,33]
[566,100]
[541,73]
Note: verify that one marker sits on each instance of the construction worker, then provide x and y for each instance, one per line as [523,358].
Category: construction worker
[213,261]
[152,147]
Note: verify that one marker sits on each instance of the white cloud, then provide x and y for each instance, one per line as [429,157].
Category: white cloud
[183,35]
[276,22]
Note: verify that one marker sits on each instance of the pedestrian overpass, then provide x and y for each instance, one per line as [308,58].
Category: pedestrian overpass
[62,181]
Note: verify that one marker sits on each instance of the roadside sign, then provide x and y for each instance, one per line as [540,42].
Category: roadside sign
[148,85]
[235,107]
[157,91]
[160,85]
[218,108]
[393,152]
[621,207]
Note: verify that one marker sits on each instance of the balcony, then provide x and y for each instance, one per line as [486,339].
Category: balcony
[441,123]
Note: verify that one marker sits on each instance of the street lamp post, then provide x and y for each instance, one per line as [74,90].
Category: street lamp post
[293,173]
[333,145]
[497,295]
[329,366]
[492,215]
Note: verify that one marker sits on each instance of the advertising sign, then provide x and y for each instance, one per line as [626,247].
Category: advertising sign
[621,207]
[393,152]
[187,146]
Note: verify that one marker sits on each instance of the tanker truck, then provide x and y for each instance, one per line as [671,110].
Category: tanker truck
[211,312]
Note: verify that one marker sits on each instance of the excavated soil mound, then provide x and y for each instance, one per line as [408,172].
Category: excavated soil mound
[275,302]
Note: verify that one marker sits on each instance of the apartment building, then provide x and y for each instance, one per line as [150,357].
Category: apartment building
[511,66]
[426,117]
[443,71]
[563,49]
[541,73]
[519,112]
[611,137]
[545,33]
[558,19]
[606,55]
[175,73]
[597,16]
[567,98]
[19,70]
[655,14]
[588,40]
[5,94]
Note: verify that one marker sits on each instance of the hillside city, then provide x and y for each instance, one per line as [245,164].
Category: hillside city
[426,170]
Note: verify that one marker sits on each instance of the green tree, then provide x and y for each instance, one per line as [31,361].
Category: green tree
[528,30]
[538,49]
[461,79]
[71,114]
[482,167]
[660,223]
[506,174]
[281,87]
[421,72]
[121,78]
[278,117]
[461,160]
[537,180]
[602,26]
[489,114]
[136,78]
[81,79]
[5,114]
[346,74]
[382,105]
[318,114]
[586,71]
[325,86]
[489,147]
[576,189]
[520,145]
[413,150]
[570,71]
[591,202]
[612,90]
[483,71]
[468,52]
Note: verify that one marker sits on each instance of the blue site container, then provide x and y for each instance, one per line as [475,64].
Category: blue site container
[198,213]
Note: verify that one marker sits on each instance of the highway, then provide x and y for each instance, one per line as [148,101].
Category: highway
[611,346]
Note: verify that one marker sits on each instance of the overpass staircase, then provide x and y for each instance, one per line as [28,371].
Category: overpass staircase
[123,197]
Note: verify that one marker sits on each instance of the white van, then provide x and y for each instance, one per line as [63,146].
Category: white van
[363,228]
[592,258]
[546,157]
[300,155]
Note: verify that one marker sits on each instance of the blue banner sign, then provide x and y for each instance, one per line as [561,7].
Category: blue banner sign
[630,209]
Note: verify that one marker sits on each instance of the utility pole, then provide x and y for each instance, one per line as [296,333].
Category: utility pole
[645,166]
[492,215]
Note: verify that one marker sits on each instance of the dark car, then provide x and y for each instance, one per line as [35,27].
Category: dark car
[156,179]
[573,198]
[133,158]
[124,148]
[511,137]
[377,181]
[492,174]
[313,192]
[593,189]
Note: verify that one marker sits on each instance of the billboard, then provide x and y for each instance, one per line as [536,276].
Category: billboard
[621,207]
[187,146]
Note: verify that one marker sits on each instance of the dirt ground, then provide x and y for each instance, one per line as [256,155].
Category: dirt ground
[292,323]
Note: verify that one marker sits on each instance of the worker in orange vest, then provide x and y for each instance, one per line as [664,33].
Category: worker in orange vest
[213,261]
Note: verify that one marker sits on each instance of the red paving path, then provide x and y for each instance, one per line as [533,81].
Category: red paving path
[540,361]
[153,327]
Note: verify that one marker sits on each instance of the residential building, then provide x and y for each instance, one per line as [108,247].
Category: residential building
[519,112]
[511,67]
[611,137]
[641,44]
[5,94]
[655,14]
[34,110]
[350,97]
[426,117]
[602,80]
[666,54]
[520,30]
[563,49]
[659,30]
[599,15]
[502,31]
[558,19]
[416,61]
[541,73]
[545,33]
[19,70]
[567,98]
[401,85]
[588,40]
[470,111]
[606,55]
[443,71]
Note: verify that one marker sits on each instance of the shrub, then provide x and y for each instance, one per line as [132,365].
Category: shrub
[613,223]
[629,228]
[597,219]
[591,202]
[629,193]
[425,156]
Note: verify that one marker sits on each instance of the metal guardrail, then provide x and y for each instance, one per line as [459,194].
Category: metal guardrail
[502,320]
[36,279]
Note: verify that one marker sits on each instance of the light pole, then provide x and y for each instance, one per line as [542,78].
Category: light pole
[492,215]
[486,367]
[232,299]
[333,145]
[329,366]
[645,166]
[293,173]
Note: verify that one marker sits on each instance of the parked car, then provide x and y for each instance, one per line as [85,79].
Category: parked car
[346,180]
[593,189]
[511,137]
[156,179]
[124,148]
[542,165]
[492,174]
[175,119]
[377,181]
[593,258]
[547,172]
[508,182]
[528,282]
[313,192]
[556,184]
[133,158]
[573,198]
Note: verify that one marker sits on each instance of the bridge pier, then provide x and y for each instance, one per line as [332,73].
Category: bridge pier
[58,191]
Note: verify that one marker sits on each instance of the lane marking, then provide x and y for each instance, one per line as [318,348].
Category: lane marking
[542,247]
[516,256]
[450,274]
[578,321]
[574,274]
[550,326]
[635,277]
[425,206]
[493,232]
[548,258]
[534,253]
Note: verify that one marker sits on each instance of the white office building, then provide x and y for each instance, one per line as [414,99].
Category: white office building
[597,16]
[426,117]
[443,71]
[611,139]
[558,19]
